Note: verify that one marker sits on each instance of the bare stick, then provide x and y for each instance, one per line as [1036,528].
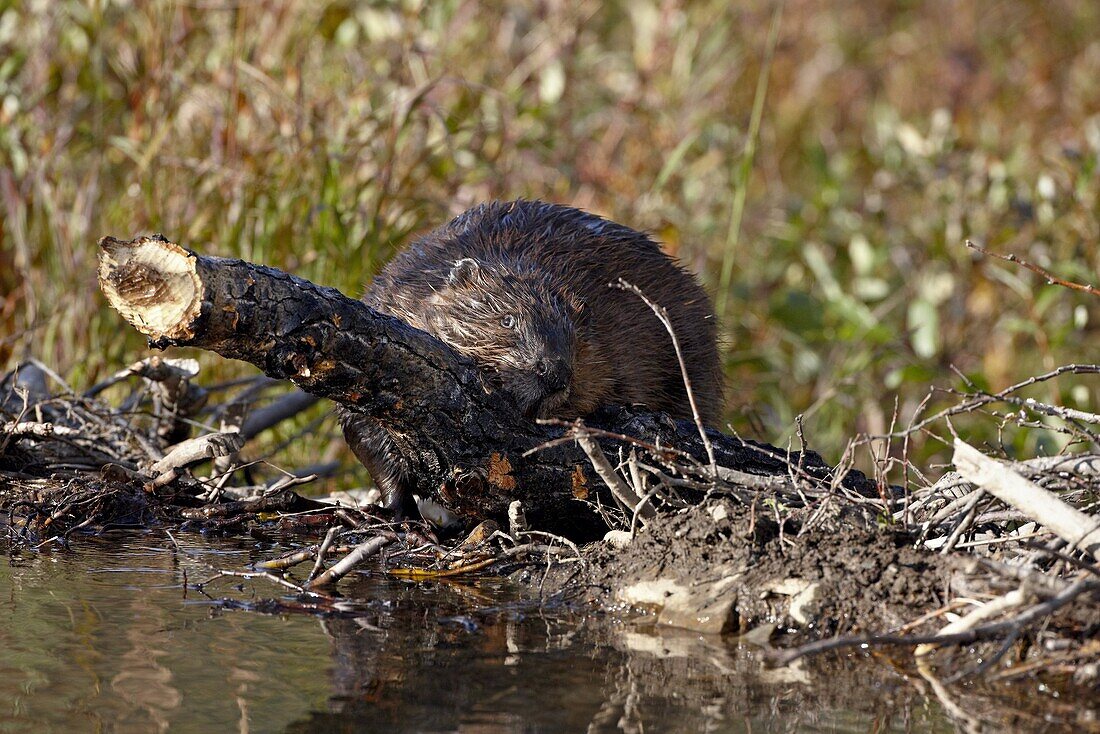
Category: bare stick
[192,450]
[287,561]
[643,508]
[1011,600]
[662,315]
[256,575]
[347,564]
[34,429]
[977,400]
[1081,465]
[517,519]
[1069,523]
[753,481]
[196,449]
[614,482]
[330,536]
[1050,277]
[965,523]
[558,539]
[1058,411]
[154,368]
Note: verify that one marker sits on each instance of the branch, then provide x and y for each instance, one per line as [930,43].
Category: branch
[1069,523]
[1050,278]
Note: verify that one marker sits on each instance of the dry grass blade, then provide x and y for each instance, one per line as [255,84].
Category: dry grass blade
[748,157]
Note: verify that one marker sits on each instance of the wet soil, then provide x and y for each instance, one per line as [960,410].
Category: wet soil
[867,578]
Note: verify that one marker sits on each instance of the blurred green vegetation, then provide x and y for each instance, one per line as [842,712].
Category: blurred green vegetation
[319,136]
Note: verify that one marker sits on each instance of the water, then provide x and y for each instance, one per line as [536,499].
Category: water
[103,638]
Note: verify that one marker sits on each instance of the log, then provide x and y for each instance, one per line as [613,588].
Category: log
[466,442]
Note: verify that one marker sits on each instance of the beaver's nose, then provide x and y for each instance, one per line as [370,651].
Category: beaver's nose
[555,373]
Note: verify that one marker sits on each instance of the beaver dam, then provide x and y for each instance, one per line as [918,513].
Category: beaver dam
[981,581]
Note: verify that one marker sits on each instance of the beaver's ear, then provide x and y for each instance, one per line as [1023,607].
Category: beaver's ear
[464,271]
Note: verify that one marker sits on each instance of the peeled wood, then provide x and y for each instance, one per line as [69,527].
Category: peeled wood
[1069,523]
[463,439]
[196,449]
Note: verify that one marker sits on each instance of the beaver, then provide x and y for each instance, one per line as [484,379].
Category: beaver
[524,289]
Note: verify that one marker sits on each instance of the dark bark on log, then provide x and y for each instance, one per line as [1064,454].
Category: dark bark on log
[464,440]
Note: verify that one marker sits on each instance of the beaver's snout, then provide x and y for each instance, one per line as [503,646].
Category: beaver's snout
[555,373]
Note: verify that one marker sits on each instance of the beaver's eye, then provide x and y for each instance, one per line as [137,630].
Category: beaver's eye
[508,321]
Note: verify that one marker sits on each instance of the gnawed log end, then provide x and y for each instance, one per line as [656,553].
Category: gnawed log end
[153,283]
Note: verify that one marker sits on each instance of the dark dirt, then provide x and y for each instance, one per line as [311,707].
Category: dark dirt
[57,507]
[870,579]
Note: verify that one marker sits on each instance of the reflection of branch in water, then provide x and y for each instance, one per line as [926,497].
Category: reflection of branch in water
[954,710]
[619,711]
[144,680]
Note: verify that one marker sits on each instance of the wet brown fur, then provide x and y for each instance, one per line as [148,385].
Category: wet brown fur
[522,287]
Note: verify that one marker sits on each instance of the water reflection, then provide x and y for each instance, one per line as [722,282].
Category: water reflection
[102,638]
[517,675]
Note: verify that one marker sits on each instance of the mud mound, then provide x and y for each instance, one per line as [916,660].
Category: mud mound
[728,565]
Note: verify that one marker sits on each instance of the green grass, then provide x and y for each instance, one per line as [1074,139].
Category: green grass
[318,137]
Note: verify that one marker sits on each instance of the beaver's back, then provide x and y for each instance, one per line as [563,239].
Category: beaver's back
[627,356]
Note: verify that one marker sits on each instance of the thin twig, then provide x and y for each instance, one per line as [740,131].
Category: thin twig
[256,575]
[969,513]
[1050,277]
[345,565]
[661,452]
[330,536]
[619,489]
[663,317]
[977,400]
